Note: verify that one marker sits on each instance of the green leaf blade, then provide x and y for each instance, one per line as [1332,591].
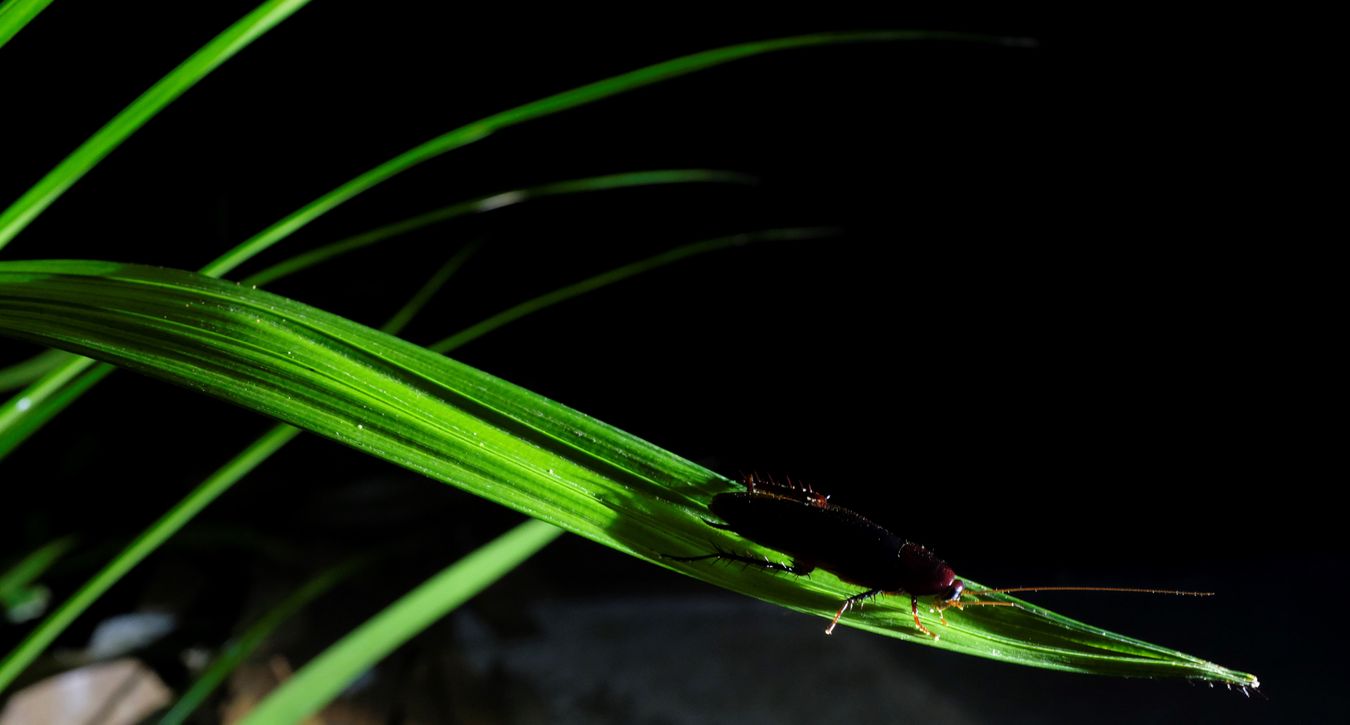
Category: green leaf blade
[238,650]
[142,546]
[464,427]
[15,14]
[322,679]
[557,103]
[104,141]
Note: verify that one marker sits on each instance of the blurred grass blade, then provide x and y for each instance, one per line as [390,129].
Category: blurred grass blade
[142,546]
[548,106]
[26,412]
[26,371]
[15,14]
[239,649]
[33,407]
[405,314]
[10,412]
[491,202]
[319,681]
[35,564]
[450,422]
[30,408]
[613,276]
[141,110]
[28,569]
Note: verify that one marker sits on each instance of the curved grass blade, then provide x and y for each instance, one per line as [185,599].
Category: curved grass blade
[405,314]
[29,568]
[33,398]
[239,649]
[215,485]
[491,202]
[576,97]
[26,371]
[142,546]
[16,583]
[185,510]
[322,679]
[15,14]
[33,407]
[461,426]
[26,412]
[613,276]
[10,412]
[235,38]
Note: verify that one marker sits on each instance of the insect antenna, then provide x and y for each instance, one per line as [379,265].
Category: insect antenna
[1128,590]
[963,603]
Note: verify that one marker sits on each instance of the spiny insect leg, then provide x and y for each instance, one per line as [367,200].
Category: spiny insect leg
[914,608]
[847,605]
[941,606]
[793,568]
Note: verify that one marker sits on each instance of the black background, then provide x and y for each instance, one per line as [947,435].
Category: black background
[1061,338]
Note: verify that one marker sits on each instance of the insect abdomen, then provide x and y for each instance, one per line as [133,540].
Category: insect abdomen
[824,536]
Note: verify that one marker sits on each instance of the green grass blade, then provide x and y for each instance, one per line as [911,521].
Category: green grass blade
[185,510]
[474,131]
[236,651]
[15,14]
[47,386]
[548,106]
[614,276]
[26,371]
[27,570]
[142,546]
[21,596]
[450,422]
[34,397]
[25,413]
[106,139]
[491,202]
[322,679]
[409,310]
[274,440]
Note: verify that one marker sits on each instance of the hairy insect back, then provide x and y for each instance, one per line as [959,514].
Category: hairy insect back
[816,536]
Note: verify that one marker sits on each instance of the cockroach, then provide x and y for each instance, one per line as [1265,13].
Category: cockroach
[797,520]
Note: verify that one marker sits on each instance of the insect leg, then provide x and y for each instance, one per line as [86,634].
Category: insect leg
[795,567]
[914,608]
[941,606]
[848,604]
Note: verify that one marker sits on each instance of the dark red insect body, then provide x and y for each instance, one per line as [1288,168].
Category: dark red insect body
[798,521]
[803,524]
